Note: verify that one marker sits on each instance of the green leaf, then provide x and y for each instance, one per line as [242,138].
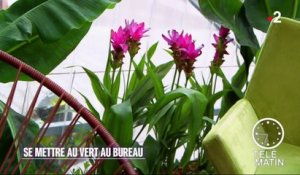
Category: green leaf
[181,119]
[106,79]
[243,31]
[120,123]
[43,33]
[214,97]
[198,105]
[41,55]
[163,123]
[116,87]
[140,164]
[151,151]
[157,83]
[228,100]
[151,51]
[209,120]
[257,11]
[231,93]
[90,106]
[159,116]
[231,14]
[144,91]
[215,10]
[240,78]
[137,75]
[102,94]
[227,85]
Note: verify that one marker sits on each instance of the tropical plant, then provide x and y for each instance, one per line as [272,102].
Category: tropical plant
[42,33]
[178,115]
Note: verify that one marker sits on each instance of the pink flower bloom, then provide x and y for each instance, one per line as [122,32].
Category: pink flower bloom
[126,39]
[223,32]
[135,30]
[220,46]
[120,46]
[184,50]
[173,39]
[192,53]
[119,40]
[183,44]
[185,41]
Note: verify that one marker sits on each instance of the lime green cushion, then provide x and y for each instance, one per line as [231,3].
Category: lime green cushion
[229,144]
[274,88]
[290,155]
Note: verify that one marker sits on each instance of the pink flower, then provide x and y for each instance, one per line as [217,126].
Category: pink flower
[119,40]
[120,46]
[184,50]
[135,30]
[223,32]
[182,44]
[220,46]
[185,41]
[173,39]
[126,39]
[192,53]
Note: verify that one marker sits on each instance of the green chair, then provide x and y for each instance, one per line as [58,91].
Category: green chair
[274,91]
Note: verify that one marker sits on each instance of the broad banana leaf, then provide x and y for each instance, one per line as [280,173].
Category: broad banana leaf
[231,14]
[258,11]
[43,33]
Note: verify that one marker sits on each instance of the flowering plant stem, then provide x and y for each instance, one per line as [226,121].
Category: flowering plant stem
[178,78]
[186,82]
[174,77]
[210,85]
[128,78]
[113,79]
[215,84]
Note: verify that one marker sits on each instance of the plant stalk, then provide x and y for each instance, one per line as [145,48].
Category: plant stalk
[174,77]
[178,79]
[209,93]
[186,82]
[128,79]
[112,80]
[215,84]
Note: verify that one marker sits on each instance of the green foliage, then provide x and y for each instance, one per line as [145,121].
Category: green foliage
[80,171]
[233,17]
[120,123]
[43,33]
[176,117]
[257,11]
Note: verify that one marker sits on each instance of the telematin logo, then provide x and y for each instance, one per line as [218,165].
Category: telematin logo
[268,134]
